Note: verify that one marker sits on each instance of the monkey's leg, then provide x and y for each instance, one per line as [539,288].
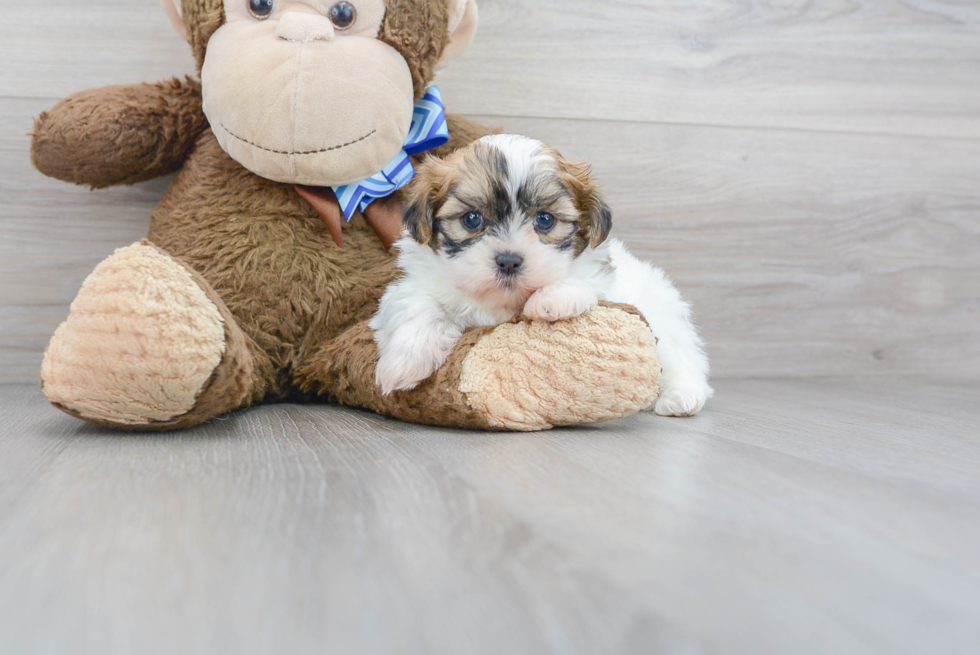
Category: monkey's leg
[519,376]
[148,346]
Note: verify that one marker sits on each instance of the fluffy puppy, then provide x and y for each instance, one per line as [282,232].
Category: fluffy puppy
[508,226]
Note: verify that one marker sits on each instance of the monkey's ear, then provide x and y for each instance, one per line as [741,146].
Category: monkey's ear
[463,21]
[174,12]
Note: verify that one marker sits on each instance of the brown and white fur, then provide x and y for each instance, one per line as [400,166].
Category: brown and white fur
[507,226]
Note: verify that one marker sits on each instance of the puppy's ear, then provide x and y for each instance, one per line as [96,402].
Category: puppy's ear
[419,215]
[595,217]
[599,219]
[424,196]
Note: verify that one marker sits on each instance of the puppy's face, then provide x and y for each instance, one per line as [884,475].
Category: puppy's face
[507,216]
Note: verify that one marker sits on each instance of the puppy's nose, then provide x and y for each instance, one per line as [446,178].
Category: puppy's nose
[509,264]
[303,27]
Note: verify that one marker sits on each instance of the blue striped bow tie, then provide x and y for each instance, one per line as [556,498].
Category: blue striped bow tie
[428,131]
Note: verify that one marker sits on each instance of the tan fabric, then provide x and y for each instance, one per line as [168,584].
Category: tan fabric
[173,10]
[140,344]
[463,22]
[535,375]
[274,110]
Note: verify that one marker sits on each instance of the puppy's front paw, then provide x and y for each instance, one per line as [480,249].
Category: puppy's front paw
[558,302]
[400,372]
[685,399]
[411,353]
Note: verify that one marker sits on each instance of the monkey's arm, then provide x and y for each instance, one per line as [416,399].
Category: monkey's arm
[521,375]
[119,134]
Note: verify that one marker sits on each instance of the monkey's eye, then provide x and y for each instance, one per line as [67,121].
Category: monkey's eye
[544,222]
[342,15]
[261,9]
[473,221]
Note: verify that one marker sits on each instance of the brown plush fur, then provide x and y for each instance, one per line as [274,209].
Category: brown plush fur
[119,134]
[405,21]
[202,19]
[295,306]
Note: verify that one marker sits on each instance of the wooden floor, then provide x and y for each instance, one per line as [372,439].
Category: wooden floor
[807,172]
[823,516]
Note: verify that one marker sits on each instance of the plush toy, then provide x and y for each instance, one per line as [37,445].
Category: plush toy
[241,294]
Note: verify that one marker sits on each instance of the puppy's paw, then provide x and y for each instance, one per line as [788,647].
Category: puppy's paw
[559,301]
[401,372]
[412,353]
[683,399]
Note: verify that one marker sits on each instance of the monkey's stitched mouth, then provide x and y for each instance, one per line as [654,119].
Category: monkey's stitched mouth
[298,152]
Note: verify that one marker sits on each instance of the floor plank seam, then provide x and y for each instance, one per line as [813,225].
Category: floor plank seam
[715,126]
[722,126]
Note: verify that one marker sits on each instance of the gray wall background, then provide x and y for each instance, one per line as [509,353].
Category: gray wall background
[808,173]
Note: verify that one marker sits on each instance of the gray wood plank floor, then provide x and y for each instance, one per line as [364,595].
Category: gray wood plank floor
[809,173]
[804,516]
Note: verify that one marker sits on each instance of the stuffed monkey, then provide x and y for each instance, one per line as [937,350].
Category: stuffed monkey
[241,294]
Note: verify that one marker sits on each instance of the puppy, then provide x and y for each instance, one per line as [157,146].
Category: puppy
[507,226]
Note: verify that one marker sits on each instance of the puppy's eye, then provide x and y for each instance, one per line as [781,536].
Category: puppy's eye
[544,222]
[260,9]
[343,15]
[473,221]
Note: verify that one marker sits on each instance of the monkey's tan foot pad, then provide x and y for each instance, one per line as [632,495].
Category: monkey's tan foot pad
[535,375]
[148,345]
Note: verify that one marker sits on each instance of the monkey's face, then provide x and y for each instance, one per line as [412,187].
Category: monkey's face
[304,91]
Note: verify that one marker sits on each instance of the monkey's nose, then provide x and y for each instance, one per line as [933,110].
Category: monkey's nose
[304,27]
[509,264]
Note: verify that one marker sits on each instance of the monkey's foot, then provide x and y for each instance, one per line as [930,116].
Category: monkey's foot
[148,345]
